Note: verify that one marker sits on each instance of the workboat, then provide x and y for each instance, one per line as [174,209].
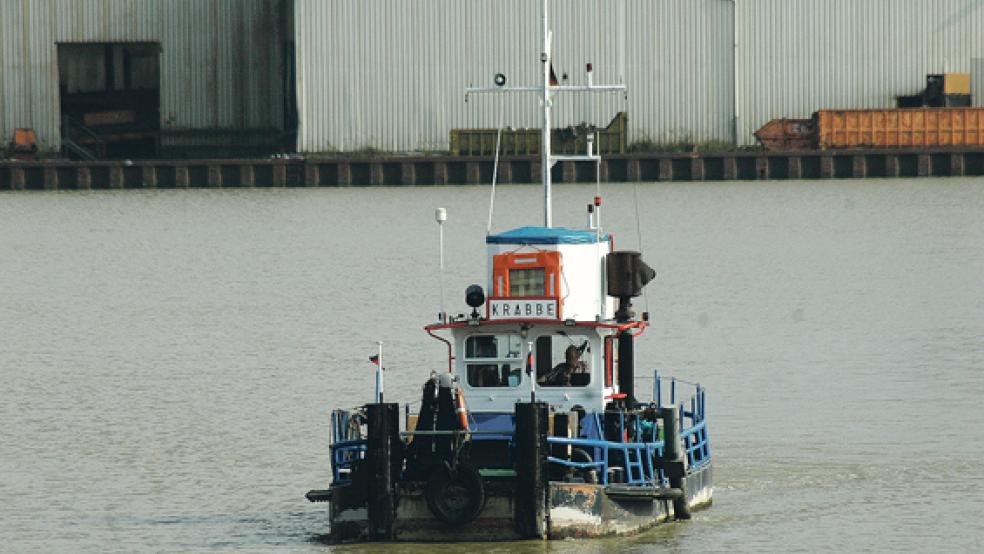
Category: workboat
[532,428]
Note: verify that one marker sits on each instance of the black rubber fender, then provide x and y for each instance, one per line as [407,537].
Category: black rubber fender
[455,496]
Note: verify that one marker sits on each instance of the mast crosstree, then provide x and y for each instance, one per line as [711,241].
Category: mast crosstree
[546,91]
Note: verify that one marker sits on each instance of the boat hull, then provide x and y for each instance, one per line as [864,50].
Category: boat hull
[586,511]
[574,510]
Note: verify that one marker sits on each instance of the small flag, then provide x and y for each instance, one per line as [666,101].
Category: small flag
[529,363]
[553,77]
[374,359]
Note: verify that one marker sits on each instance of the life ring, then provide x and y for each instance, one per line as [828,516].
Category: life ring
[455,496]
[462,410]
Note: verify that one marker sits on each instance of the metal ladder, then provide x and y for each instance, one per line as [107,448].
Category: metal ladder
[635,471]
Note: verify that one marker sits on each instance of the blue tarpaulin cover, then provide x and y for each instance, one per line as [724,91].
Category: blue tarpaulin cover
[545,235]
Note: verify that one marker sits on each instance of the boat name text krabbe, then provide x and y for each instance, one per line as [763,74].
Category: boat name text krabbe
[506,308]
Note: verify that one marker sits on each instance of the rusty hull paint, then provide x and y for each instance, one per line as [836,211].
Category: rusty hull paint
[348,514]
[583,511]
[699,488]
[414,521]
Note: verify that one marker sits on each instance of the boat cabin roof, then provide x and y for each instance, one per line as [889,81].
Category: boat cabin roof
[546,235]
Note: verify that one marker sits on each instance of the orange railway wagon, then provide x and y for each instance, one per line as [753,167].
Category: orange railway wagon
[900,128]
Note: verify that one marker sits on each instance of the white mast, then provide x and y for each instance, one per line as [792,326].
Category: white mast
[545,164]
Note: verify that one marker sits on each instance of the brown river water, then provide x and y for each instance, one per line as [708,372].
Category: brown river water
[168,359]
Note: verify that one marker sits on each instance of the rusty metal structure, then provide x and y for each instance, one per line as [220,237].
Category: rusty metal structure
[795,57]
[611,139]
[924,128]
[788,134]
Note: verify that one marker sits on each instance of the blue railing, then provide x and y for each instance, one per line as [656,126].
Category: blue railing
[344,452]
[637,456]
[695,441]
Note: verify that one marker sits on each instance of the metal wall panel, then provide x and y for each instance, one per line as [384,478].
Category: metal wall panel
[391,74]
[799,56]
[221,61]
[680,70]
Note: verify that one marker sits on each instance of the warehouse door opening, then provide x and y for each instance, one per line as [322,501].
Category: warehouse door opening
[110,99]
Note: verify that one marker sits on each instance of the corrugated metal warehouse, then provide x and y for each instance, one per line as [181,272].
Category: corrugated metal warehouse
[205,72]
[799,56]
[391,74]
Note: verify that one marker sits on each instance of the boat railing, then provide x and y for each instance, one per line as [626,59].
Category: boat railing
[344,454]
[697,448]
[487,435]
[345,449]
[637,458]
[691,400]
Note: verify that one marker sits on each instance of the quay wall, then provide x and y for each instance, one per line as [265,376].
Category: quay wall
[449,170]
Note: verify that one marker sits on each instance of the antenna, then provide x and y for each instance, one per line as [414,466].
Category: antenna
[441,215]
[379,373]
[500,80]
[546,163]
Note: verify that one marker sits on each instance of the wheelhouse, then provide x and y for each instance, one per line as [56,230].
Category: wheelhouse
[547,301]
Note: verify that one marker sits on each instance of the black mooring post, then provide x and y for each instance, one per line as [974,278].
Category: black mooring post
[381,448]
[561,428]
[673,459]
[626,368]
[531,459]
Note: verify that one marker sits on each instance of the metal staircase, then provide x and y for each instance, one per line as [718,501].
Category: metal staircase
[81,142]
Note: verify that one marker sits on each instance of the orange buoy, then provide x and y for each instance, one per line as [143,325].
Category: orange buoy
[462,410]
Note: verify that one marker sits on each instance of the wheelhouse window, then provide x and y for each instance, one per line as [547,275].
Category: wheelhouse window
[494,360]
[526,282]
[563,360]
